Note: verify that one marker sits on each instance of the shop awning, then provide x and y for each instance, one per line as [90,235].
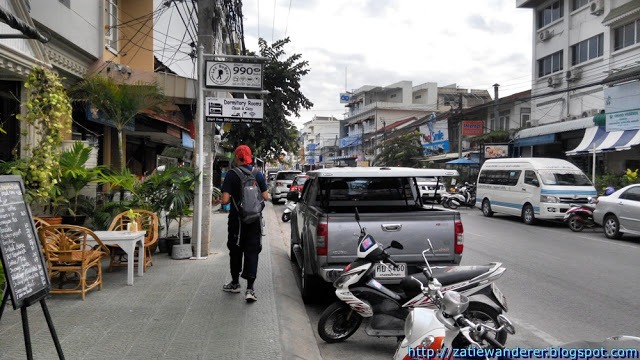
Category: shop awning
[535,140]
[169,114]
[555,128]
[597,137]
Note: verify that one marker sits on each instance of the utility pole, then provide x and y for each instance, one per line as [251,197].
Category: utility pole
[460,126]
[202,221]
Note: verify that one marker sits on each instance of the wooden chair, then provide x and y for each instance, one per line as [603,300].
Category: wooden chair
[148,221]
[67,250]
[40,223]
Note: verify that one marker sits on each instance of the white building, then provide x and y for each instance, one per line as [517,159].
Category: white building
[583,52]
[319,138]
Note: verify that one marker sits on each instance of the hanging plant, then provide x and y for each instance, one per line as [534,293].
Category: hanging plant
[48,111]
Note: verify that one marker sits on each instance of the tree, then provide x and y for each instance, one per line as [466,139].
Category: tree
[404,150]
[118,101]
[282,78]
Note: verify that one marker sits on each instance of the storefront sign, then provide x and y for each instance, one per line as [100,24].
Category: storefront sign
[435,137]
[472,128]
[492,151]
[621,106]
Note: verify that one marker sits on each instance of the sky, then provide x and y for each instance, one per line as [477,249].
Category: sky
[353,43]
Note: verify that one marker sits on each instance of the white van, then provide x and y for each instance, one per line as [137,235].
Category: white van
[531,188]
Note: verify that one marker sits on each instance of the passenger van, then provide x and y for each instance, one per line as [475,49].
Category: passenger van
[532,188]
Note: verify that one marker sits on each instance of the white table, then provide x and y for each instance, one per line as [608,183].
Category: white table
[127,241]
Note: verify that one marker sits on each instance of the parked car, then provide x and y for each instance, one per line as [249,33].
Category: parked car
[283,181]
[431,188]
[619,213]
[298,182]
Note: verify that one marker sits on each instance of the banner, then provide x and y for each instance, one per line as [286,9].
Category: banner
[496,151]
[472,128]
[435,137]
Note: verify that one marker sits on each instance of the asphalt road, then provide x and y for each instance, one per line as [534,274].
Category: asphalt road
[561,286]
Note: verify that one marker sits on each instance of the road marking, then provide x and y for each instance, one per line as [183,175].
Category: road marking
[550,339]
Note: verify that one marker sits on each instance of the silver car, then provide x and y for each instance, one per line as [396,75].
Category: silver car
[281,184]
[619,213]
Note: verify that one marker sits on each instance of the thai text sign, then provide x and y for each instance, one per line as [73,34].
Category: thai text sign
[231,110]
[623,120]
[472,128]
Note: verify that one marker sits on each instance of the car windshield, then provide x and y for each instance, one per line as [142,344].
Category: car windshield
[286,175]
[568,178]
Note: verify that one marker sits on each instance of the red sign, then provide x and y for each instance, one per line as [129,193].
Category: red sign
[472,128]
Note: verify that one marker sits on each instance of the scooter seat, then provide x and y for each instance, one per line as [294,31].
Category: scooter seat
[446,275]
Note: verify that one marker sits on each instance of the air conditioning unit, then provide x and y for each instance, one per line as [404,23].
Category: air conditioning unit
[573,117]
[545,35]
[596,7]
[590,112]
[554,81]
[573,74]
[531,123]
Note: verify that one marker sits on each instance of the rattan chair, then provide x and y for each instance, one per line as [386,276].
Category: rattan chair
[67,250]
[40,223]
[147,221]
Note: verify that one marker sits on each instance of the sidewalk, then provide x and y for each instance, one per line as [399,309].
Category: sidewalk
[177,310]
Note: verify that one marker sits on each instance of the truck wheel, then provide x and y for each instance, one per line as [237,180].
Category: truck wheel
[338,322]
[307,286]
[479,312]
[612,227]
[528,216]
[486,208]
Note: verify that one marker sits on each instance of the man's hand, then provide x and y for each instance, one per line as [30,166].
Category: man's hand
[226,198]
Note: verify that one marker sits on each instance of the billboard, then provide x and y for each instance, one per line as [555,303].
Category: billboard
[472,128]
[494,151]
[435,137]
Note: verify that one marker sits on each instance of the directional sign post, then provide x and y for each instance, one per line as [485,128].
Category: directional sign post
[233,75]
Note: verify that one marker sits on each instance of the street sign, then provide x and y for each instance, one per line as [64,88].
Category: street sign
[231,110]
[236,75]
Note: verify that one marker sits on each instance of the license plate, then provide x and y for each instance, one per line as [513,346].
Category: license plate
[382,272]
[499,296]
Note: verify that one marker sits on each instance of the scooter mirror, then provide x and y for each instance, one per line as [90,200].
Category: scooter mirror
[396,245]
[506,324]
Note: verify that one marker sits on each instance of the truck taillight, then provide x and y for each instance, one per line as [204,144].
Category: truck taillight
[322,237]
[459,235]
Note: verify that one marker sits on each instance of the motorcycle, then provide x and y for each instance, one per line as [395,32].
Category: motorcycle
[466,196]
[288,209]
[437,333]
[580,216]
[361,296]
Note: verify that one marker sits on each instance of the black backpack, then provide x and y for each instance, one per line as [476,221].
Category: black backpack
[251,202]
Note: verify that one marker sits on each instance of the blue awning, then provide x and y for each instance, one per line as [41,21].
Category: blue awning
[535,140]
[597,139]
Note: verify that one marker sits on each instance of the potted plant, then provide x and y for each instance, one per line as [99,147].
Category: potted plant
[74,176]
[180,198]
[48,113]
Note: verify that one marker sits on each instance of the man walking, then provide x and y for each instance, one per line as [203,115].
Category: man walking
[244,239]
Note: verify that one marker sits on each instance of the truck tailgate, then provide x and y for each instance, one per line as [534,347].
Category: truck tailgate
[411,229]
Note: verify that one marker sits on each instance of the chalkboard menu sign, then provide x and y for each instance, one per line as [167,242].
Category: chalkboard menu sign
[22,258]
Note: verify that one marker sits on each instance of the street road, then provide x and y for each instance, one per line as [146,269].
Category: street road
[561,286]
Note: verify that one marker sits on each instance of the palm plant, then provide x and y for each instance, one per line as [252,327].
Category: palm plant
[118,101]
[74,175]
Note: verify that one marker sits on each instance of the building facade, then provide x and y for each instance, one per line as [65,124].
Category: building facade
[319,139]
[583,52]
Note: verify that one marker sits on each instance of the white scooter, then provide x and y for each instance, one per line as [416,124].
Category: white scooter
[432,333]
[288,209]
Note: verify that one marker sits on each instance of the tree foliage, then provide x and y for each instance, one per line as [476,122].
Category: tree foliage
[118,101]
[404,150]
[282,78]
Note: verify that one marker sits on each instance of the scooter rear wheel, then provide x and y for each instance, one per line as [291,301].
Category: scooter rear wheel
[575,224]
[338,322]
[480,312]
[452,204]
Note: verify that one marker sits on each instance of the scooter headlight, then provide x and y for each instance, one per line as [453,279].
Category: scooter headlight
[408,325]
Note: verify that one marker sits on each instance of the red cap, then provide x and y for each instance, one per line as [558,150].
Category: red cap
[243,153]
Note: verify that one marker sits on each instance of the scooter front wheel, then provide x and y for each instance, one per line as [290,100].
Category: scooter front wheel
[338,322]
[575,224]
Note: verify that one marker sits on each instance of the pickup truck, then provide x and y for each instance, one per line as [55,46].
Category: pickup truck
[324,231]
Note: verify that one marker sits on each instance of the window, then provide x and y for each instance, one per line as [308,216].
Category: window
[503,120]
[626,35]
[571,178]
[530,178]
[525,117]
[577,4]
[550,13]
[632,194]
[550,64]
[111,21]
[500,177]
[587,49]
